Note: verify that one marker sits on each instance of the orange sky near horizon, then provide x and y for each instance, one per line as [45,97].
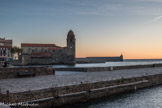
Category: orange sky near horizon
[143,48]
[126,55]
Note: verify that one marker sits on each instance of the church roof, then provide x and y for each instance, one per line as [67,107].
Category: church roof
[3,40]
[5,46]
[71,33]
[56,48]
[37,45]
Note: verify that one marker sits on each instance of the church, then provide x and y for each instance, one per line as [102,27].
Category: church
[37,54]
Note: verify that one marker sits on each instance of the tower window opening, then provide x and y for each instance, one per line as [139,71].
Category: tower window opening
[32,51]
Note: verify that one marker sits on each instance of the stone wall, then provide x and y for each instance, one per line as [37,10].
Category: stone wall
[40,61]
[98,59]
[13,72]
[61,56]
[64,56]
[26,59]
[58,96]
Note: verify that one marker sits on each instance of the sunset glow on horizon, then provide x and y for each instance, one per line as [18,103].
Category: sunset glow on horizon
[102,28]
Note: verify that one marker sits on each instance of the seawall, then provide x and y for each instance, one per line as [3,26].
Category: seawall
[13,72]
[98,59]
[68,94]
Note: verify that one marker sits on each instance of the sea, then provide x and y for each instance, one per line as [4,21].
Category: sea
[126,62]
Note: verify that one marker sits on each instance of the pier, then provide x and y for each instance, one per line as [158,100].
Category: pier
[58,90]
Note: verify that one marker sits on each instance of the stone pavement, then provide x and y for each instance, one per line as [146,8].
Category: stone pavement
[41,82]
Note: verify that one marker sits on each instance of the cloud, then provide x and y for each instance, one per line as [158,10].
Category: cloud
[159,1]
[157,18]
[117,7]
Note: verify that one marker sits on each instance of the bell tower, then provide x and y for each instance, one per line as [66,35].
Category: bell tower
[71,46]
[71,40]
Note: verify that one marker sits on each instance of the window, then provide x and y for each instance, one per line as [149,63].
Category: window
[32,51]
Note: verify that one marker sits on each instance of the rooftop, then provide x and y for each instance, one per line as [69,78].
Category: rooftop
[71,33]
[56,48]
[5,46]
[4,40]
[37,45]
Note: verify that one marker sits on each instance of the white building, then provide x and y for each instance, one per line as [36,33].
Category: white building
[5,50]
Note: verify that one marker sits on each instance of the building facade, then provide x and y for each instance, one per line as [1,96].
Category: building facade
[5,49]
[33,53]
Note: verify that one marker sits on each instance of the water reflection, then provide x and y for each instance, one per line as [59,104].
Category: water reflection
[146,98]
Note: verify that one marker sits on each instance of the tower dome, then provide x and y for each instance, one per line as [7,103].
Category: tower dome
[71,33]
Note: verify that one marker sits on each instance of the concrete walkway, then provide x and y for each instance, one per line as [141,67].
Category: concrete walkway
[41,82]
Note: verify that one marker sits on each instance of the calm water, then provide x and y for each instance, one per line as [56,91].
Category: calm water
[145,98]
[107,64]
[124,63]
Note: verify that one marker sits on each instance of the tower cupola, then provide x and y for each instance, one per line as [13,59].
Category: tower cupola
[71,33]
[71,39]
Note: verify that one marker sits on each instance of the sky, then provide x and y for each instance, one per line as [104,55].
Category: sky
[102,27]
